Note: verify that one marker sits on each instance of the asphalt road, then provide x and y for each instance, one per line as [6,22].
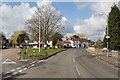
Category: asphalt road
[12,55]
[72,63]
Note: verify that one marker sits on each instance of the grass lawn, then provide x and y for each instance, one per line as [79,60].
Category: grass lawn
[39,55]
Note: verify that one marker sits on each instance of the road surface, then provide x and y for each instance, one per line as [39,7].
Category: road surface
[12,55]
[72,63]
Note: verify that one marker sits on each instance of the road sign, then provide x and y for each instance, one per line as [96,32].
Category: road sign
[107,37]
[8,61]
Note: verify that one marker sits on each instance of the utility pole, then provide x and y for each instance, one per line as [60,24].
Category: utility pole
[39,34]
[107,37]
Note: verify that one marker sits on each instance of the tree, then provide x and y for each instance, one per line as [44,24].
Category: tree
[81,35]
[47,19]
[19,37]
[3,41]
[55,37]
[99,43]
[113,28]
[75,36]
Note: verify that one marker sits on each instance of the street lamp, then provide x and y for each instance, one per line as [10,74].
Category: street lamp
[39,35]
[107,37]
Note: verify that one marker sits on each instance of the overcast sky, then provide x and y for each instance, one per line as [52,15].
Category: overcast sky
[80,17]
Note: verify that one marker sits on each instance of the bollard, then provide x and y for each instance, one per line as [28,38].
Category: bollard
[33,52]
[46,53]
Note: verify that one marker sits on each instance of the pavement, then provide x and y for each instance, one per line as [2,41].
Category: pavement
[72,63]
[103,56]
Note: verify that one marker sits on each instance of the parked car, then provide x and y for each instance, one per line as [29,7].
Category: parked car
[23,47]
[104,49]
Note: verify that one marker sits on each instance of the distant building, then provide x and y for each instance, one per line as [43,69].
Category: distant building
[74,42]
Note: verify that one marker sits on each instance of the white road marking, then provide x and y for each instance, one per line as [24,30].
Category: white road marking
[6,73]
[32,65]
[25,68]
[12,70]
[8,76]
[73,56]
[28,67]
[77,70]
[34,61]
[15,73]
[20,70]
[39,61]
[73,60]
[8,61]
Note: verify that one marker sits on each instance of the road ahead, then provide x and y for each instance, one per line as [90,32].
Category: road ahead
[72,63]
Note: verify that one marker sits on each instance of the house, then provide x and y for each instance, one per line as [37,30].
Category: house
[67,43]
[50,44]
[84,42]
[74,42]
[60,43]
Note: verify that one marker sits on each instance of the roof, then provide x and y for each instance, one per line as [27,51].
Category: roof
[81,39]
[66,42]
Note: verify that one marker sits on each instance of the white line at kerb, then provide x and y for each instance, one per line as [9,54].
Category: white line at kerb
[19,68]
[7,77]
[12,70]
[25,69]
[32,65]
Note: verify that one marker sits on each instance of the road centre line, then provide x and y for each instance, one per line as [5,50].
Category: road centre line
[73,60]
[77,70]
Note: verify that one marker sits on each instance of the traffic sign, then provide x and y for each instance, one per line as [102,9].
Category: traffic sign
[107,36]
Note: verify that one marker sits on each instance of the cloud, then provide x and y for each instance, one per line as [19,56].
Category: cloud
[44,3]
[91,27]
[64,19]
[119,5]
[94,26]
[101,7]
[14,18]
[81,5]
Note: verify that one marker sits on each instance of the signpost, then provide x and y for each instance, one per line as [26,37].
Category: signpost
[26,41]
[107,37]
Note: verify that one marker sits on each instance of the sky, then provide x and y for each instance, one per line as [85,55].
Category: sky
[79,17]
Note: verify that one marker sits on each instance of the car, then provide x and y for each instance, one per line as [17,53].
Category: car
[104,49]
[23,47]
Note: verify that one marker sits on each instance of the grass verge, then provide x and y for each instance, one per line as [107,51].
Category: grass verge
[35,54]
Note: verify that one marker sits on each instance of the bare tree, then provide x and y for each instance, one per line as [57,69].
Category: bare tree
[48,19]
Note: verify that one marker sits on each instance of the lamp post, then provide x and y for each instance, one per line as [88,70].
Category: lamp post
[39,35]
[107,37]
